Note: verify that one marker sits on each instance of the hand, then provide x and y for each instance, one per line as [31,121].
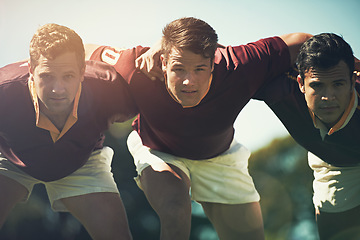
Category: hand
[150,63]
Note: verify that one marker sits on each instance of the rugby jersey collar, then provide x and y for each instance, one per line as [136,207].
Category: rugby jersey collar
[344,120]
[44,122]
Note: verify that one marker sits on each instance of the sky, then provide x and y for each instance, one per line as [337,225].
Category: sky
[129,23]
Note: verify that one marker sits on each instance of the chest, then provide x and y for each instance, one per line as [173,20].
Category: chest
[216,112]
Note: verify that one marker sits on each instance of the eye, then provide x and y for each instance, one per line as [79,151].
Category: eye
[45,77]
[315,85]
[339,83]
[199,69]
[178,70]
[69,76]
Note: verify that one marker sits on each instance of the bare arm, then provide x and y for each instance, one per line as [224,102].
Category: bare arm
[294,42]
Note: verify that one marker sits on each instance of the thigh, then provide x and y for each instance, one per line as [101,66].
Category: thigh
[94,177]
[154,162]
[167,190]
[163,177]
[341,225]
[15,186]
[223,179]
[336,189]
[165,184]
[12,192]
[102,214]
[236,221]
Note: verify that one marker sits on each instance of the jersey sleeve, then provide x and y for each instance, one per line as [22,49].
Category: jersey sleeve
[112,91]
[263,59]
[123,60]
[278,88]
[17,73]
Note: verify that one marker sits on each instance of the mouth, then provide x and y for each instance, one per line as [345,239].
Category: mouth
[329,108]
[58,99]
[188,91]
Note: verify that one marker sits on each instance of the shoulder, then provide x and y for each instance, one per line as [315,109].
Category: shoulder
[13,78]
[265,47]
[13,72]
[14,91]
[100,70]
[102,78]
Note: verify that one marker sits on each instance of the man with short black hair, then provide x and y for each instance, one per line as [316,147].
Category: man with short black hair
[321,112]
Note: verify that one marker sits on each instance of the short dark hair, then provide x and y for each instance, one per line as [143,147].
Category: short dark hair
[51,40]
[190,34]
[323,51]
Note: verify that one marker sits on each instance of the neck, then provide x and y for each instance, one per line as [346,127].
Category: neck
[58,119]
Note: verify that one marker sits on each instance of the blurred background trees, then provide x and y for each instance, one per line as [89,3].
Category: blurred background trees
[279,170]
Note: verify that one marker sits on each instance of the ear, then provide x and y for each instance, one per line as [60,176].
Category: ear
[82,72]
[163,62]
[301,83]
[353,79]
[30,71]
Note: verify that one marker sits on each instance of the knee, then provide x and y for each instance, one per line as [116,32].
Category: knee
[175,211]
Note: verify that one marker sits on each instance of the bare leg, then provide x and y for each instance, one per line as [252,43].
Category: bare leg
[102,214]
[237,221]
[167,190]
[12,192]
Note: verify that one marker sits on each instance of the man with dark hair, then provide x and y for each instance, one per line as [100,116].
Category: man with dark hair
[321,112]
[51,132]
[183,135]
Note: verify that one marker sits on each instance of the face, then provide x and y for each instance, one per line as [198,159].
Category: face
[328,92]
[56,82]
[187,76]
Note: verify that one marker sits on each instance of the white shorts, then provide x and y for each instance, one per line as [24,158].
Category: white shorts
[336,189]
[222,179]
[94,176]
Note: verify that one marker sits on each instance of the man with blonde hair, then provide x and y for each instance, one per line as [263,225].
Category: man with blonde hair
[51,132]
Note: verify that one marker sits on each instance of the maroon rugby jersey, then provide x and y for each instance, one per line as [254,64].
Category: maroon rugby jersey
[205,130]
[104,95]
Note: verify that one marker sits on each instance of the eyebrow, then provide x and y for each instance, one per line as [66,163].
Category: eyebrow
[70,71]
[202,65]
[181,64]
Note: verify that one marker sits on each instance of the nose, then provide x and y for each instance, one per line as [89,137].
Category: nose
[186,82]
[328,95]
[58,87]
[189,80]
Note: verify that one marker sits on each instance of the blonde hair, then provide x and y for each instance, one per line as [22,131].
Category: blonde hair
[52,40]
